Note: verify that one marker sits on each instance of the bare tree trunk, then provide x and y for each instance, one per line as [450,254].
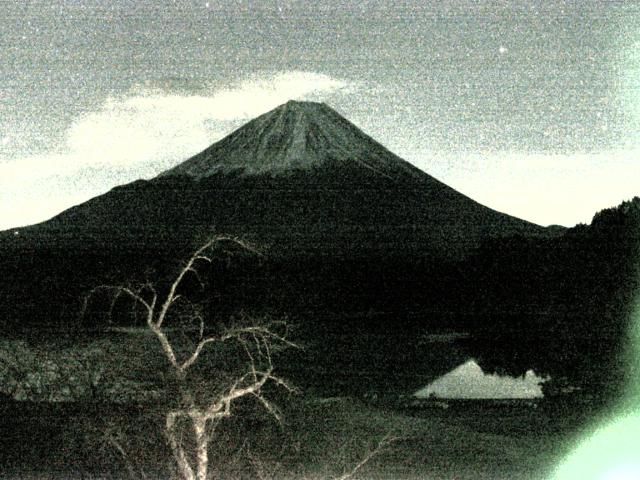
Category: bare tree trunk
[202,444]
[176,447]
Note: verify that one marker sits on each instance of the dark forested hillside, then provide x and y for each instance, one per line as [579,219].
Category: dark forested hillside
[561,306]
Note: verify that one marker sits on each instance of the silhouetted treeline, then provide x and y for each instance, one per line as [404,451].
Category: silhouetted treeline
[561,306]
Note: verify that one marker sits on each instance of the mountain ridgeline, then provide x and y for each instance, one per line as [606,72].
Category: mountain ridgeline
[296,136]
[358,246]
[299,179]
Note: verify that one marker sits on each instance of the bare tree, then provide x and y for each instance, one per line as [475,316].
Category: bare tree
[201,413]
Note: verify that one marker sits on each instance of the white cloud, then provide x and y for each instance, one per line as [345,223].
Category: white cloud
[138,136]
[154,126]
[469,381]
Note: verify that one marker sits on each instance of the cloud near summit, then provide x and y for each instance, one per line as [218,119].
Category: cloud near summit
[138,135]
[156,126]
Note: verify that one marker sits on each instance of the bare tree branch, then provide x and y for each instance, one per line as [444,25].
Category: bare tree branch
[111,440]
[196,353]
[379,448]
[176,446]
[257,340]
[189,267]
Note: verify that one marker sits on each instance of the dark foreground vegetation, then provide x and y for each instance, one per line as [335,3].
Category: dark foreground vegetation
[317,439]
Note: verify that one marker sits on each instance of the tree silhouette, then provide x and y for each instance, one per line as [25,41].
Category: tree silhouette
[195,403]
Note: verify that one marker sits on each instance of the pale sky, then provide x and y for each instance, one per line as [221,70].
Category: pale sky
[529,107]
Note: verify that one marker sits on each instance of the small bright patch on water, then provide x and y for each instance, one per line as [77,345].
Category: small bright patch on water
[469,381]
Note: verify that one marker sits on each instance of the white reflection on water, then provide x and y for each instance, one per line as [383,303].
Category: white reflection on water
[469,381]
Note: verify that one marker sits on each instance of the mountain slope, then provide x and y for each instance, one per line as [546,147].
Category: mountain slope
[295,136]
[298,172]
